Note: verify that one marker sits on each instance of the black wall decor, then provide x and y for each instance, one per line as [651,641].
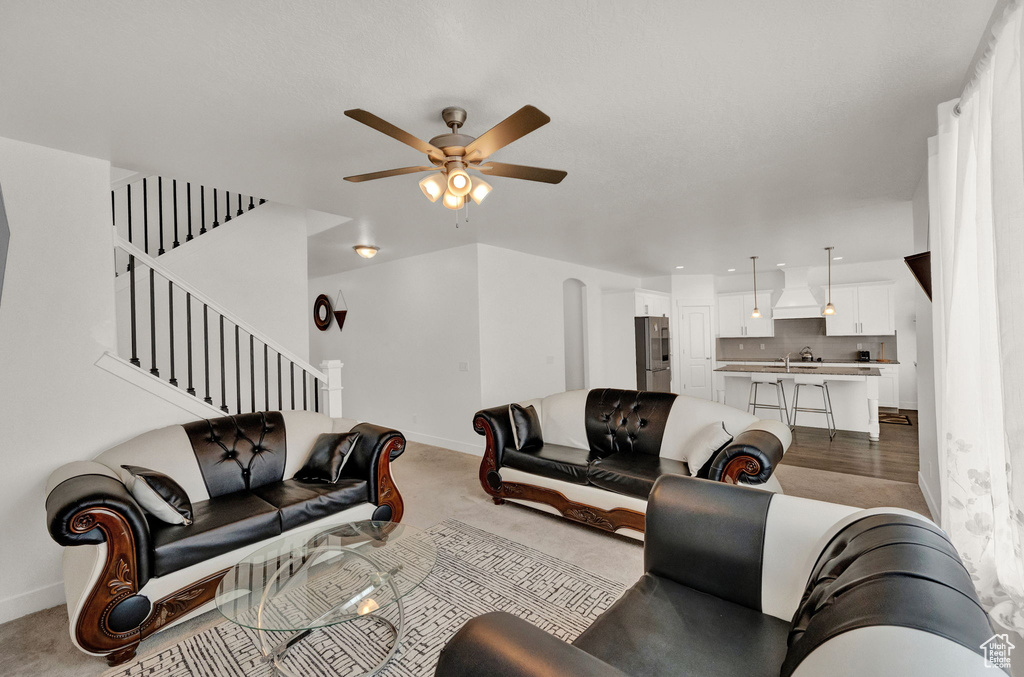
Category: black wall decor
[322,312]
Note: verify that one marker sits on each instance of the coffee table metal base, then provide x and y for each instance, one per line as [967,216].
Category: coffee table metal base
[275,653]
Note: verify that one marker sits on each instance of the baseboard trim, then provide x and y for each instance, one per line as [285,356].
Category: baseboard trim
[454,445]
[929,498]
[31,601]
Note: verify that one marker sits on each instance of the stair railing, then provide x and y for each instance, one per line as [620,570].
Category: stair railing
[187,335]
[138,210]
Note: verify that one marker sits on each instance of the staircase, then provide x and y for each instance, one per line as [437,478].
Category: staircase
[176,341]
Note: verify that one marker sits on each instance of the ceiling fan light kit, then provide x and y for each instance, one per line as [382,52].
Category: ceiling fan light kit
[453,153]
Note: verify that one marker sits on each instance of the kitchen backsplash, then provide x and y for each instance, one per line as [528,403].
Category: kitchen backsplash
[792,335]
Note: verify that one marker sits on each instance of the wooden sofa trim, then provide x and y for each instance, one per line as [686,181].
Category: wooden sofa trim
[118,578]
[490,480]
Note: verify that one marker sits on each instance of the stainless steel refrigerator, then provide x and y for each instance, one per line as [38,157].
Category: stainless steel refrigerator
[653,348]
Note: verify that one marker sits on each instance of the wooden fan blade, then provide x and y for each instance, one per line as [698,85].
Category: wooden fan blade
[522,172]
[388,172]
[515,126]
[385,127]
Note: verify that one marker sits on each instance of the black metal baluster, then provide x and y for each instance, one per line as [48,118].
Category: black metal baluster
[152,321]
[174,196]
[145,217]
[280,398]
[227,206]
[202,209]
[266,377]
[170,316]
[206,352]
[239,205]
[292,380]
[223,377]
[160,210]
[252,372]
[131,286]
[316,395]
[238,373]
[252,204]
[130,212]
[305,389]
[188,336]
[188,203]
[215,224]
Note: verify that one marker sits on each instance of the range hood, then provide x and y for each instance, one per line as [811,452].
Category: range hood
[797,300]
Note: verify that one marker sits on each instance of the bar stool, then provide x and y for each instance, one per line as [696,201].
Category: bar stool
[780,395]
[817,382]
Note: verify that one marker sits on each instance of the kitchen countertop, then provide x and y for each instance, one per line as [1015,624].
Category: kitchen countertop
[799,361]
[800,368]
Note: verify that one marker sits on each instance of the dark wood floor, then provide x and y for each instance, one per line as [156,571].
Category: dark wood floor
[893,457]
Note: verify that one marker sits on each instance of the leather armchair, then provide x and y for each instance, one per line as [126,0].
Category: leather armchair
[785,586]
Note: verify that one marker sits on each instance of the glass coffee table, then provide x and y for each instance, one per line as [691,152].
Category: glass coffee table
[316,578]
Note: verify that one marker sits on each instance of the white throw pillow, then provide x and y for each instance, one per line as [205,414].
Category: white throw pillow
[706,444]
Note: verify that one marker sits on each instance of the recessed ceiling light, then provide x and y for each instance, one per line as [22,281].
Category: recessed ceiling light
[680,267]
[732,270]
[780,264]
[837,258]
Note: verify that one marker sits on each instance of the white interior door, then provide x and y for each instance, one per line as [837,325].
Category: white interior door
[694,362]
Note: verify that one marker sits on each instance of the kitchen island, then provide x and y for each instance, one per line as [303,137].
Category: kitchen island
[853,391]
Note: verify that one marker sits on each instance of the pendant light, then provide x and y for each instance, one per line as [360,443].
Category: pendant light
[757,313]
[829,308]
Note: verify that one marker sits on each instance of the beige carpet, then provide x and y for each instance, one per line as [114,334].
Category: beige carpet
[439,484]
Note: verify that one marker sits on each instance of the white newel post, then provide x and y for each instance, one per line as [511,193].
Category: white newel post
[331,388]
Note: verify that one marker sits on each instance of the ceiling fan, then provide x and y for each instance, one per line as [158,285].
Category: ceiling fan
[453,153]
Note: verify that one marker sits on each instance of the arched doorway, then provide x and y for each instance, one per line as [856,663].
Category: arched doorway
[574,308]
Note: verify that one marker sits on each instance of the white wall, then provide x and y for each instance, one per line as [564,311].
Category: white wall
[521,324]
[56,319]
[412,324]
[240,266]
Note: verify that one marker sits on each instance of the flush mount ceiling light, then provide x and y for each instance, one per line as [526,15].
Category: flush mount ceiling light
[452,154]
[367,251]
[829,308]
[756,313]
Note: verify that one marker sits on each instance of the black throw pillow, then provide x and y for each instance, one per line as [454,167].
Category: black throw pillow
[328,457]
[526,432]
[159,495]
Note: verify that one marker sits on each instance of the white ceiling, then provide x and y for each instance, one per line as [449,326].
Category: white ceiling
[695,133]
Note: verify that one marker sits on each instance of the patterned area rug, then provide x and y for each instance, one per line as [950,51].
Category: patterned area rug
[476,572]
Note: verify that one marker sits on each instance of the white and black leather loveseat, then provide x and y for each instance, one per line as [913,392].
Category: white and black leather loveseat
[128,574]
[745,583]
[599,452]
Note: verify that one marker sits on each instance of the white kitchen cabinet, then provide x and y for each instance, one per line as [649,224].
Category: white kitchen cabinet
[651,303]
[734,320]
[862,310]
[889,386]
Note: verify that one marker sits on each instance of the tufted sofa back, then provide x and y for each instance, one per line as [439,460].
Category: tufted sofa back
[886,571]
[629,421]
[237,453]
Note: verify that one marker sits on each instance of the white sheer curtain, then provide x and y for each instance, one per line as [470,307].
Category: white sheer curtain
[977,241]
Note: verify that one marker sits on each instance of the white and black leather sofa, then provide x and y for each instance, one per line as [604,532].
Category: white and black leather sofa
[128,574]
[754,584]
[599,452]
